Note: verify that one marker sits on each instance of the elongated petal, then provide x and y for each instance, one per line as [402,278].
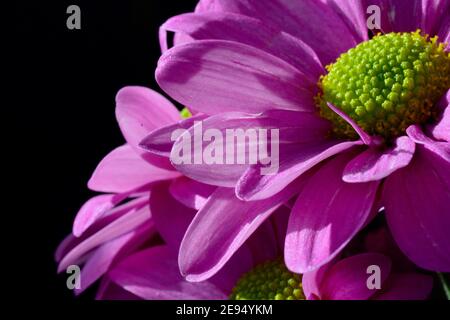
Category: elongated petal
[376,164]
[353,13]
[216,76]
[347,279]
[160,141]
[122,225]
[300,18]
[221,227]
[407,286]
[417,202]
[139,111]
[191,193]
[124,170]
[441,148]
[250,31]
[325,217]
[105,255]
[153,274]
[295,159]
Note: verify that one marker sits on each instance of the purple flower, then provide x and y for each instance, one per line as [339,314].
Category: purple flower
[348,146]
[256,271]
[144,196]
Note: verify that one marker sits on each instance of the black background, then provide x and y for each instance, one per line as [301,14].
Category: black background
[63,108]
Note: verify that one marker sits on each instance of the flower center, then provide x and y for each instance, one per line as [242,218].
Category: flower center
[385,84]
[270,280]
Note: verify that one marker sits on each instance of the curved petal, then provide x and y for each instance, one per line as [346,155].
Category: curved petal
[139,111]
[416,134]
[122,170]
[153,274]
[250,31]
[171,217]
[347,279]
[122,225]
[221,227]
[216,76]
[312,282]
[295,160]
[441,130]
[417,202]
[444,32]
[353,14]
[191,193]
[326,216]
[105,255]
[434,15]
[237,143]
[300,18]
[375,164]
[407,286]
[159,141]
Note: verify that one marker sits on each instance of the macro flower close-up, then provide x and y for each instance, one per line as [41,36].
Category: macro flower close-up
[240,150]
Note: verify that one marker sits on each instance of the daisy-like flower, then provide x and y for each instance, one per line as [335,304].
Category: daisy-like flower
[144,194]
[257,272]
[364,123]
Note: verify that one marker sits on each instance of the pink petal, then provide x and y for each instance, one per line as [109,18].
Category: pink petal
[376,164]
[300,18]
[221,227]
[295,160]
[105,255]
[139,111]
[123,170]
[153,274]
[171,217]
[191,193]
[122,225]
[326,216]
[250,31]
[407,286]
[216,76]
[417,202]
[353,13]
[347,279]
[441,130]
[416,134]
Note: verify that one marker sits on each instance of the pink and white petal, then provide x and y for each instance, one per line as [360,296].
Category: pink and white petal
[171,217]
[86,230]
[252,32]
[353,13]
[160,141]
[216,76]
[123,170]
[139,111]
[416,134]
[191,193]
[376,164]
[407,286]
[221,227]
[300,18]
[153,274]
[105,255]
[417,202]
[347,279]
[289,126]
[93,210]
[122,225]
[295,160]
[327,214]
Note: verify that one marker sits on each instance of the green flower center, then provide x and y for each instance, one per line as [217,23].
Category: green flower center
[385,84]
[270,280]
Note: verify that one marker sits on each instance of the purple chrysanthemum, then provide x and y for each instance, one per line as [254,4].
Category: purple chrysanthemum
[348,146]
